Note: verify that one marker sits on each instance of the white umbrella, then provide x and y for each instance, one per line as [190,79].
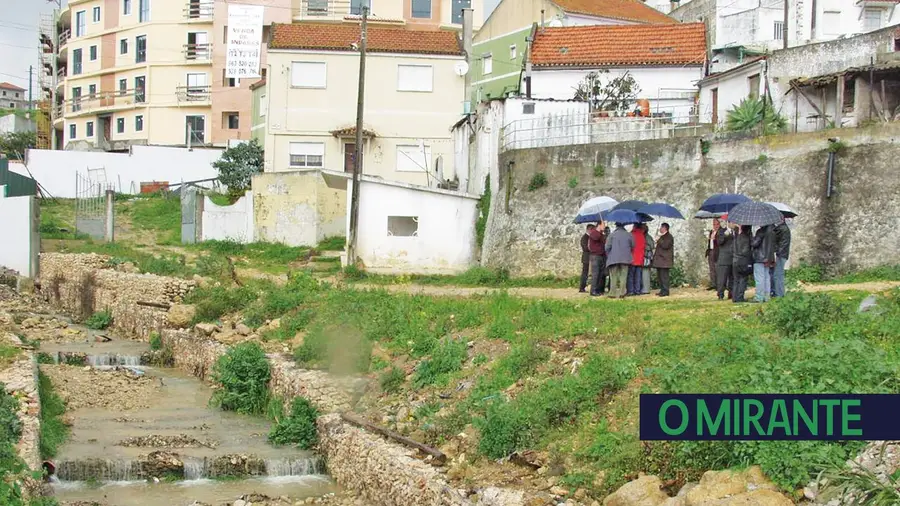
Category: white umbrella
[592,209]
[785,209]
[706,215]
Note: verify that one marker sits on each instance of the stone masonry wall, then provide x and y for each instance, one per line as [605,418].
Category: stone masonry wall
[531,232]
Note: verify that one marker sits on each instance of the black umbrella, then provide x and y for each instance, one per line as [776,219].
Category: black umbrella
[723,202]
[755,213]
[661,209]
[632,205]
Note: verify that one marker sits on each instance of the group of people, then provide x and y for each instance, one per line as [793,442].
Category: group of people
[627,258]
[733,253]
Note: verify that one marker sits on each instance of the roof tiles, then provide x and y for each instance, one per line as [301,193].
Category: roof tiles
[9,86]
[339,37]
[631,10]
[620,45]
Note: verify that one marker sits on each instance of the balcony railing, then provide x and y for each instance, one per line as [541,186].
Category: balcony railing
[198,10]
[197,52]
[104,99]
[327,9]
[192,93]
[64,36]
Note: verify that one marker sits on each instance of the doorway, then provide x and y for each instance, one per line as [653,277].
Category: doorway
[194,130]
[349,156]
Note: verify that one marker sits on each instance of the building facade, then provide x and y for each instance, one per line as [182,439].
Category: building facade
[13,97]
[413,94]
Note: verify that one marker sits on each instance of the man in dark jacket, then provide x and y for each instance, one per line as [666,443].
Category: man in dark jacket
[763,245]
[585,259]
[782,253]
[597,248]
[619,248]
[742,265]
[664,258]
[725,242]
[712,253]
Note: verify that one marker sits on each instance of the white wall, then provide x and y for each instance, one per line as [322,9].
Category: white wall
[55,170]
[732,88]
[12,123]
[21,242]
[233,223]
[445,242]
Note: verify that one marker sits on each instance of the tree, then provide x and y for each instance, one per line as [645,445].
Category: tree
[14,144]
[237,165]
[617,94]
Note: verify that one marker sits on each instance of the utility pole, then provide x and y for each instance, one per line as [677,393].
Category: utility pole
[30,103]
[358,151]
[784,25]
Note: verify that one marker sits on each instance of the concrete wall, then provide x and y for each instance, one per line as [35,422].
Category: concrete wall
[297,208]
[21,241]
[537,236]
[55,170]
[13,123]
[231,223]
[732,88]
[445,237]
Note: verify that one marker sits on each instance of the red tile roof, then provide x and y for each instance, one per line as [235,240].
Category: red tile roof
[631,10]
[339,37]
[10,86]
[620,45]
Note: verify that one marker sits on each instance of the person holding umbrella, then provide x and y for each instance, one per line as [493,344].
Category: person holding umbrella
[763,245]
[782,253]
[724,260]
[619,248]
[597,248]
[664,258]
[712,252]
[648,259]
[742,265]
[635,274]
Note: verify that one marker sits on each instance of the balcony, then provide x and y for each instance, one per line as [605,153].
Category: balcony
[105,100]
[193,95]
[319,9]
[198,52]
[199,11]
[64,36]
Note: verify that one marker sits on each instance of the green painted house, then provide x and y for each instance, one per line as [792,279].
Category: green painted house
[258,112]
[498,64]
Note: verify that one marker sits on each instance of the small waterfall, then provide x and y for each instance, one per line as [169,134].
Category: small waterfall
[294,467]
[195,469]
[98,470]
[113,359]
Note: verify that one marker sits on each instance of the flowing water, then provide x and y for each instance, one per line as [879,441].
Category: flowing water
[93,465]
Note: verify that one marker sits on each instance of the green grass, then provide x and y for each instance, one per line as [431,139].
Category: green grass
[53,431]
[158,213]
[474,277]
[332,244]
[8,355]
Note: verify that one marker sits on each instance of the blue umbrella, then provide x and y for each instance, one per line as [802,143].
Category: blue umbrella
[623,216]
[723,202]
[631,205]
[591,211]
[661,209]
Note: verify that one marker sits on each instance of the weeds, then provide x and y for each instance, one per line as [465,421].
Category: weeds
[155,341]
[537,182]
[53,431]
[447,357]
[335,243]
[215,301]
[100,320]
[800,314]
[298,428]
[8,354]
[573,182]
[484,208]
[243,373]
[392,379]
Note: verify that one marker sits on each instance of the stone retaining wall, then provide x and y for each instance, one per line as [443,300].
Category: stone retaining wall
[21,380]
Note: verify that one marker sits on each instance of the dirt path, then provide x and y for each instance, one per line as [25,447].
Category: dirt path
[571,294]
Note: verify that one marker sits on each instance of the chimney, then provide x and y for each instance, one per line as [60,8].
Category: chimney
[542,20]
[467,36]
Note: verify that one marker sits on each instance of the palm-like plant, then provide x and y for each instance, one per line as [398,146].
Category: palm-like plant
[753,112]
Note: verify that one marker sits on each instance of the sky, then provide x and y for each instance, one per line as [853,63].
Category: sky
[19,38]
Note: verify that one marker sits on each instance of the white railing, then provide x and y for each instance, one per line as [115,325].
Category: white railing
[197,52]
[192,93]
[198,10]
[597,127]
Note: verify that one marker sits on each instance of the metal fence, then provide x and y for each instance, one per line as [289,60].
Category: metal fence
[590,128]
[16,185]
[90,205]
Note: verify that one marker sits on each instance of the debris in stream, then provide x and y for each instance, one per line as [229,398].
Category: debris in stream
[157,441]
[87,387]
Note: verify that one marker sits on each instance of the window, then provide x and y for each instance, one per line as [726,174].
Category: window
[316,7]
[12,105]
[778,31]
[123,46]
[197,86]
[229,82]
[403,226]
[513,52]
[17,94]
[4,93]
[872,19]
[197,46]
[262,105]
[126,7]
[458,6]
[414,77]
[487,64]
[92,90]
[138,123]
[120,125]
[123,86]
[72,131]
[528,108]
[76,99]
[143,11]
[421,8]
[140,49]
[96,17]
[307,154]
[308,74]
[831,23]
[92,53]
[89,129]
[357,5]
[753,84]
[195,129]
[413,158]
[139,95]
[231,120]
[80,23]
[849,94]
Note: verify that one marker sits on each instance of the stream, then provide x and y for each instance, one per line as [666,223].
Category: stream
[227,454]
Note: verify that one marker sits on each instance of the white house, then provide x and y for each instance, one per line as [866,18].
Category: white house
[722,91]
[666,62]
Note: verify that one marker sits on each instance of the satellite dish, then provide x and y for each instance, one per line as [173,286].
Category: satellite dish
[461,68]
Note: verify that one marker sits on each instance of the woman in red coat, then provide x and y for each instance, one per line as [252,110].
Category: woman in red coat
[635,274]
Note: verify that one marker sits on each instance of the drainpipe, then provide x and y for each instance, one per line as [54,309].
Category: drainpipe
[467,48]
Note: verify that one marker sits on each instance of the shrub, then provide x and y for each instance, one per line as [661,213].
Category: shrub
[447,357]
[392,379]
[599,170]
[573,182]
[801,314]
[155,341]
[298,428]
[538,181]
[243,373]
[99,320]
[238,164]
[806,273]
[750,114]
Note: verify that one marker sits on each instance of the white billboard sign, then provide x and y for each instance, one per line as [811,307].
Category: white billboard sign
[244,40]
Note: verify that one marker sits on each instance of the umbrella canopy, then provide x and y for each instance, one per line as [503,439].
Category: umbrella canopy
[723,202]
[755,213]
[632,205]
[786,210]
[624,216]
[592,209]
[661,209]
[706,215]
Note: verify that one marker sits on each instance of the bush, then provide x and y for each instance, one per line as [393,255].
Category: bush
[538,181]
[801,314]
[243,373]
[299,428]
[751,113]
[99,320]
[238,164]
[392,379]
[446,358]
[155,341]
[806,273]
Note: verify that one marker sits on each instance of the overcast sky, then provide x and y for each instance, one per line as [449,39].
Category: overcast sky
[19,38]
